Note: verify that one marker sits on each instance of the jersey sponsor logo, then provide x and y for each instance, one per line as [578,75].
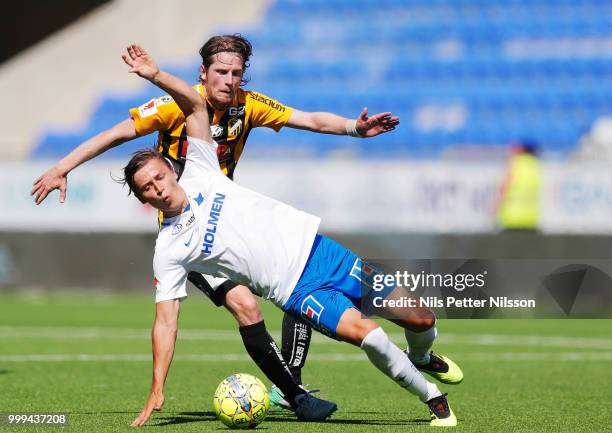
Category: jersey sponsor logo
[163,100]
[270,102]
[148,109]
[177,229]
[236,111]
[190,220]
[280,356]
[189,241]
[312,309]
[216,130]
[223,152]
[300,341]
[234,128]
[213,221]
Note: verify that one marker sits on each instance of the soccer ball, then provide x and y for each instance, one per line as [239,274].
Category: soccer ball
[241,401]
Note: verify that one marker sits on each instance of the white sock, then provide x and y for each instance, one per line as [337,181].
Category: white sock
[390,359]
[419,344]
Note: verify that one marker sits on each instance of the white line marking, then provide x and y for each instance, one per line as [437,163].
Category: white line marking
[93,333]
[327,357]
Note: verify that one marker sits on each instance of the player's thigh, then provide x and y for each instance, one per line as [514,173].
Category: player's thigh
[414,319]
[241,302]
[340,268]
[321,308]
[353,328]
[213,287]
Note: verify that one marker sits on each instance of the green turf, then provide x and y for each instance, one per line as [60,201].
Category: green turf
[545,393]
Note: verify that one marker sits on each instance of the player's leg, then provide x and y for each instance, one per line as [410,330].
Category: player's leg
[333,314]
[295,344]
[265,353]
[385,355]
[246,311]
[419,323]
[436,365]
[394,363]
[259,344]
[328,294]
[420,330]
[296,335]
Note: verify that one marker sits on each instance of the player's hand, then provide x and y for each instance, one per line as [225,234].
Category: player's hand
[375,125]
[52,179]
[154,402]
[140,62]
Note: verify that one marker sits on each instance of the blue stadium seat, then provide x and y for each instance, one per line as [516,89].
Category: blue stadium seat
[520,68]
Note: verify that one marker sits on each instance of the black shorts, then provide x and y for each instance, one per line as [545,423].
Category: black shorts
[213,287]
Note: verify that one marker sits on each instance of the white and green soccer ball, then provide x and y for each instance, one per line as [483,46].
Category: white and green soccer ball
[241,401]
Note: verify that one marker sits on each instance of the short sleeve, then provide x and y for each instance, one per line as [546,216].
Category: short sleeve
[170,278]
[267,111]
[201,155]
[158,114]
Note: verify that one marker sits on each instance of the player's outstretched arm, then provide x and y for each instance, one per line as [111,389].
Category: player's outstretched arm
[57,176]
[163,337]
[189,101]
[329,123]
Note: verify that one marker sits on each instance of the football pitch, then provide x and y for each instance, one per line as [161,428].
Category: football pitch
[89,356]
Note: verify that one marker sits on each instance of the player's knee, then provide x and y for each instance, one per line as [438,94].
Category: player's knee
[363,329]
[425,320]
[243,305]
[353,329]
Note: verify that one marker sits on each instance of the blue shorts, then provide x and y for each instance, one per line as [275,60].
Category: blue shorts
[330,284]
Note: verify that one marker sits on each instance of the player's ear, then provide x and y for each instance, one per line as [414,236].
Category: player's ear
[202,73]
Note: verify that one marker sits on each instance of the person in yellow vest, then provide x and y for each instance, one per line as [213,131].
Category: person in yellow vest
[519,203]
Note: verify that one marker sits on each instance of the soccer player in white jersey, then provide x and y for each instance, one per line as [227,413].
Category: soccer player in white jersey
[218,228]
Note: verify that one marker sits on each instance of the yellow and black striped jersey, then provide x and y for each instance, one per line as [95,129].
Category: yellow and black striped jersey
[230,127]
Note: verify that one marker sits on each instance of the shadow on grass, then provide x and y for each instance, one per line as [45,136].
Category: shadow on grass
[3,371]
[209,416]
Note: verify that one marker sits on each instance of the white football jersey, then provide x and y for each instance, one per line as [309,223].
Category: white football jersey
[231,232]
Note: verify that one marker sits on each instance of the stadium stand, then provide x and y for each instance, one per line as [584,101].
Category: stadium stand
[485,72]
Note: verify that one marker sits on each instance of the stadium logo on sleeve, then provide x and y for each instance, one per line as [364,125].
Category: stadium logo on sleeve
[148,109]
[270,102]
[312,309]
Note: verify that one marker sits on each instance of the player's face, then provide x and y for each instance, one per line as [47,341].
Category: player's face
[222,79]
[159,187]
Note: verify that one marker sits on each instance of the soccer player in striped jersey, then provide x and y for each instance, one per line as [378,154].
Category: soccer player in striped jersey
[233,113]
[320,279]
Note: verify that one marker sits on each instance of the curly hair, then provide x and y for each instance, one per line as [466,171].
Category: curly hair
[235,43]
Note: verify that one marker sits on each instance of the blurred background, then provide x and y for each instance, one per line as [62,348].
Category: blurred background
[503,149]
